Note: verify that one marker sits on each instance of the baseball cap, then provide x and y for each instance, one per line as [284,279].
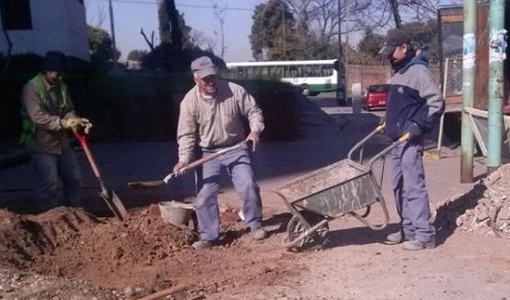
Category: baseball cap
[54,61]
[203,67]
[394,38]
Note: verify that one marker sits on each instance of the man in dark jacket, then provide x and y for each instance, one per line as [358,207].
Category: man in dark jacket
[414,106]
[48,115]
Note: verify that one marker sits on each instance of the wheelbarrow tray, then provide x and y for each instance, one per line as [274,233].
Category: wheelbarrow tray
[334,190]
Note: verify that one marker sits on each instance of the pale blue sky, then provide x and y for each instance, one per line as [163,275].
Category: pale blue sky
[132,15]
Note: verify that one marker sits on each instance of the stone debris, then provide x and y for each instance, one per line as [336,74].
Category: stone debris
[485,209]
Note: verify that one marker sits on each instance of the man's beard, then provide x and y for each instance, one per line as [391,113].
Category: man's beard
[398,64]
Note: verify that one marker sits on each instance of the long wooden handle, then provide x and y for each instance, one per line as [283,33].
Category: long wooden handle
[157,183]
[164,292]
[203,160]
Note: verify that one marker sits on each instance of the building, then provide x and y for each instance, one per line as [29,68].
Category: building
[36,26]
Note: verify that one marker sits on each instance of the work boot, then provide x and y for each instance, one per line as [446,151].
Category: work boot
[419,245]
[397,238]
[201,244]
[258,234]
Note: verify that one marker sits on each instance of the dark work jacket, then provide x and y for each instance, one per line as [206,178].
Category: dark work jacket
[415,97]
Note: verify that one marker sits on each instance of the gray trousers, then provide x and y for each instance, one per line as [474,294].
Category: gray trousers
[49,169]
[237,163]
[411,196]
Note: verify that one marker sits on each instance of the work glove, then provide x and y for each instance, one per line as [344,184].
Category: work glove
[70,123]
[86,125]
[178,168]
[413,129]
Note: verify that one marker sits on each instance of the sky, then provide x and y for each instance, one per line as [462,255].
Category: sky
[131,15]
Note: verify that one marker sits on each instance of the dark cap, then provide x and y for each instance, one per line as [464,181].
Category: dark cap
[54,61]
[203,67]
[394,38]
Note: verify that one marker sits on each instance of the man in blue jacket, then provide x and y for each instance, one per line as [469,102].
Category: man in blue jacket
[414,106]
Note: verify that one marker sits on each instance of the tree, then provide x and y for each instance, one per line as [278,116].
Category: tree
[371,43]
[165,28]
[100,44]
[137,55]
[272,30]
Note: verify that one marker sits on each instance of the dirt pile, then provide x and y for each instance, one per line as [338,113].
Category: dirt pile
[100,258]
[485,209]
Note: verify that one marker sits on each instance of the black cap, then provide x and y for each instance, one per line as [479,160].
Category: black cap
[54,61]
[394,38]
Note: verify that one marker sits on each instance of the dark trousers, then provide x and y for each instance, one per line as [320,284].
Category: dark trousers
[49,169]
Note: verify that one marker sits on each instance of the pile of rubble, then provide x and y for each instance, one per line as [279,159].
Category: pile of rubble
[485,209]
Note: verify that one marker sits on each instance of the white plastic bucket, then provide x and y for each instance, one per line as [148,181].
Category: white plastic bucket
[176,213]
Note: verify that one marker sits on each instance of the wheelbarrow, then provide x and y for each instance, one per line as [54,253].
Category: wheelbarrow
[343,188]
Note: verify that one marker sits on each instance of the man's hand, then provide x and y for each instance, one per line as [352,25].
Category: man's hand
[413,129]
[180,168]
[70,123]
[86,125]
[254,138]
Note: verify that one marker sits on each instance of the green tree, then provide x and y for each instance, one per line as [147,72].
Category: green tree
[137,55]
[370,44]
[165,28]
[272,32]
[100,44]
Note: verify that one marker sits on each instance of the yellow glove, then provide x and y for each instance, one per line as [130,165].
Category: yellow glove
[86,125]
[70,123]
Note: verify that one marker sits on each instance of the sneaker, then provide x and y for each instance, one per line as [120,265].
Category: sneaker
[397,238]
[258,234]
[419,245]
[201,244]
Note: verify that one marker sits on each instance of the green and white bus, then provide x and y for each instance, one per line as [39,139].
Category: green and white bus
[310,76]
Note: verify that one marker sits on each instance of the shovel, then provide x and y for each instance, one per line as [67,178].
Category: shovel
[111,199]
[157,183]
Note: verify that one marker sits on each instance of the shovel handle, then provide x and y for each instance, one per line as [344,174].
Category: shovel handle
[83,143]
[157,183]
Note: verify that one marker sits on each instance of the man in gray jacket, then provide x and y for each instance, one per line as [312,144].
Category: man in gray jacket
[48,115]
[211,117]
[414,106]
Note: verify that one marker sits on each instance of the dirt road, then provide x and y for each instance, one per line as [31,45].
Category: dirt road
[72,254]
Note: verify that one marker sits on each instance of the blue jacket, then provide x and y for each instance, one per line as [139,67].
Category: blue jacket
[415,97]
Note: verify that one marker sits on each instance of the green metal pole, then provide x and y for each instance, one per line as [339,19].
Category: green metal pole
[468,90]
[497,50]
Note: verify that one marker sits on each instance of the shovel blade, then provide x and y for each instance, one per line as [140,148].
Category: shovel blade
[115,204]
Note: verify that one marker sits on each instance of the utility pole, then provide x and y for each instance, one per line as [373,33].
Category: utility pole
[283,32]
[497,54]
[468,90]
[112,29]
[340,89]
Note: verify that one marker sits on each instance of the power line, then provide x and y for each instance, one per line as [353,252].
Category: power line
[182,5]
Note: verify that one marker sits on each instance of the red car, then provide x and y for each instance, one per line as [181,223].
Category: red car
[375,96]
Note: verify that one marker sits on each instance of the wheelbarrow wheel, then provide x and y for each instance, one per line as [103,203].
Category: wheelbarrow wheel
[315,241]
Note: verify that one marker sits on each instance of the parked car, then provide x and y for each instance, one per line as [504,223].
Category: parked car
[375,96]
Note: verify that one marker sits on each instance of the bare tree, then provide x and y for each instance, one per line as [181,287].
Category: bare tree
[149,42]
[321,17]
[219,14]
[199,39]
